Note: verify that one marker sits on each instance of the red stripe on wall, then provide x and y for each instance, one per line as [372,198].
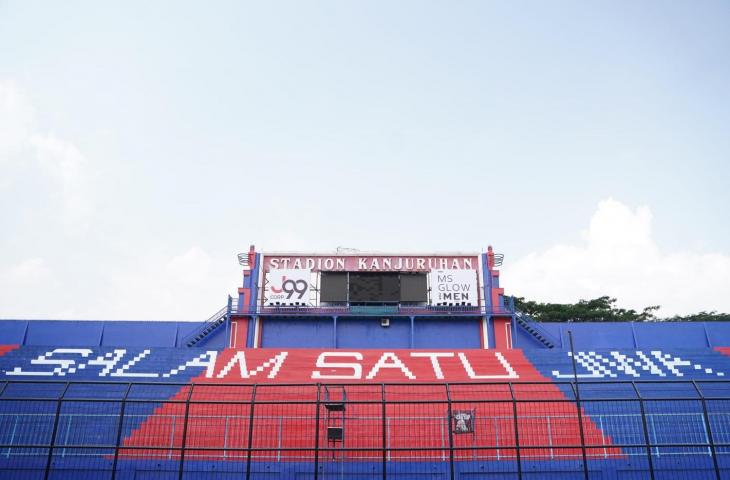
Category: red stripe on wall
[7,348]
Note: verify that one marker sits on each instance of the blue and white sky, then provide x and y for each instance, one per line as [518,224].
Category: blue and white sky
[144,144]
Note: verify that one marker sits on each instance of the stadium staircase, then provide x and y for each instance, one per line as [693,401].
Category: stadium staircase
[533,327]
[210,326]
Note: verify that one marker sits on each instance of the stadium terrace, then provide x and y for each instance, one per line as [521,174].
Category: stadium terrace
[367,366]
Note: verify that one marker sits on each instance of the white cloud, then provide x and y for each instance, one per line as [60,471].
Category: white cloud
[23,286]
[24,146]
[619,257]
[188,286]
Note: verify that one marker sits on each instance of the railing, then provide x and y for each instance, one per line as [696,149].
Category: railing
[534,328]
[215,321]
[692,423]
[113,430]
[377,310]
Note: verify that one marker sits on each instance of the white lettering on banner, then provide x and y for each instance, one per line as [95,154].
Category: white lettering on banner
[122,372]
[394,362]
[346,365]
[369,263]
[434,356]
[599,366]
[323,363]
[199,361]
[108,361]
[671,362]
[64,365]
[626,364]
[274,363]
[503,361]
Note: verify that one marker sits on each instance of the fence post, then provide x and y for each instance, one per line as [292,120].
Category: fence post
[54,431]
[229,309]
[384,427]
[516,432]
[119,430]
[647,442]
[576,391]
[250,432]
[451,432]
[710,436]
[316,432]
[185,432]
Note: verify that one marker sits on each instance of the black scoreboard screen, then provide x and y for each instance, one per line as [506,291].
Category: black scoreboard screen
[413,288]
[374,287]
[333,287]
[380,287]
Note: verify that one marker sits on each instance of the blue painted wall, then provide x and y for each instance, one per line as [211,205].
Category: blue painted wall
[297,332]
[447,333]
[363,332]
[633,335]
[679,335]
[67,334]
[12,332]
[367,333]
[136,334]
[76,333]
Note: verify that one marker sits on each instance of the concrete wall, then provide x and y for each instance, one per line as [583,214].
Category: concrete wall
[367,332]
[364,332]
[74,333]
[593,335]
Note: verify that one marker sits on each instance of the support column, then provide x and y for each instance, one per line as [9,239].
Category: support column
[413,331]
[334,331]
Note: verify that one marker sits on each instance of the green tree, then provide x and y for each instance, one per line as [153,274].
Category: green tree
[601,309]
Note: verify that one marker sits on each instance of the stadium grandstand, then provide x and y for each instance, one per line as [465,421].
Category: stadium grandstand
[357,365]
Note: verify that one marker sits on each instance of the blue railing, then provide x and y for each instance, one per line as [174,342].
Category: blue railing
[376,310]
[215,321]
[534,328]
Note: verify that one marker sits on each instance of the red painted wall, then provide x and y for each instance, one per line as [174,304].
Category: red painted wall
[502,333]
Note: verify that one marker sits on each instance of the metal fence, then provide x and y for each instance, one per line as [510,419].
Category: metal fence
[95,430]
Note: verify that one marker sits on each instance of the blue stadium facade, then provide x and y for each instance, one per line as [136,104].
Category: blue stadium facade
[364,366]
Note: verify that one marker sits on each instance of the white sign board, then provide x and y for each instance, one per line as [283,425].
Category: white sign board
[287,287]
[454,287]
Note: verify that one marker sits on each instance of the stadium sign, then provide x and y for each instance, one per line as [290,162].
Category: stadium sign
[454,287]
[370,263]
[271,365]
[287,287]
[263,365]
